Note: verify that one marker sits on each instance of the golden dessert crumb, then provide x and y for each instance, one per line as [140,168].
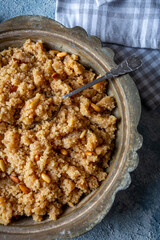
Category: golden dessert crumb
[47,163]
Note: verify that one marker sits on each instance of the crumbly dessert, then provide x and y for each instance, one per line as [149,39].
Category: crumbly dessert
[47,163]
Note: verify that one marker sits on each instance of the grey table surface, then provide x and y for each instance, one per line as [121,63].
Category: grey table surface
[135,214]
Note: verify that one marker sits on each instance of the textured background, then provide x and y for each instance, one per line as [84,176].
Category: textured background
[135,214]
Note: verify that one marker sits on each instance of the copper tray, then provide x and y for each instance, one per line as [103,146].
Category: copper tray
[92,209]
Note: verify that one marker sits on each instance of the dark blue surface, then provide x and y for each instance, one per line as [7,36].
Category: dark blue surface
[135,214]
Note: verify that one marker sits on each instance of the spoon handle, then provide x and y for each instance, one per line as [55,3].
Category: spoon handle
[130,64]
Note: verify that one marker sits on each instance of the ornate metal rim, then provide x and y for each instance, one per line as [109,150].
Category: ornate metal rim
[90,211]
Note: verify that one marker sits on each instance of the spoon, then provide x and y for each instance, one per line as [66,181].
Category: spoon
[131,64]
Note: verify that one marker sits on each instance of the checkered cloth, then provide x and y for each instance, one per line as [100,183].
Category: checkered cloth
[126,22]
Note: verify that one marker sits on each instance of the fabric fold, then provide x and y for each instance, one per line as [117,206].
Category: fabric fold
[129,23]
[101,2]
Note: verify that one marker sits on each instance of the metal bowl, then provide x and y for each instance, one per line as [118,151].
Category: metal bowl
[94,207]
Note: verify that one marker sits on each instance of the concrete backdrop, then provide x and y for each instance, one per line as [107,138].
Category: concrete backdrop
[135,214]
